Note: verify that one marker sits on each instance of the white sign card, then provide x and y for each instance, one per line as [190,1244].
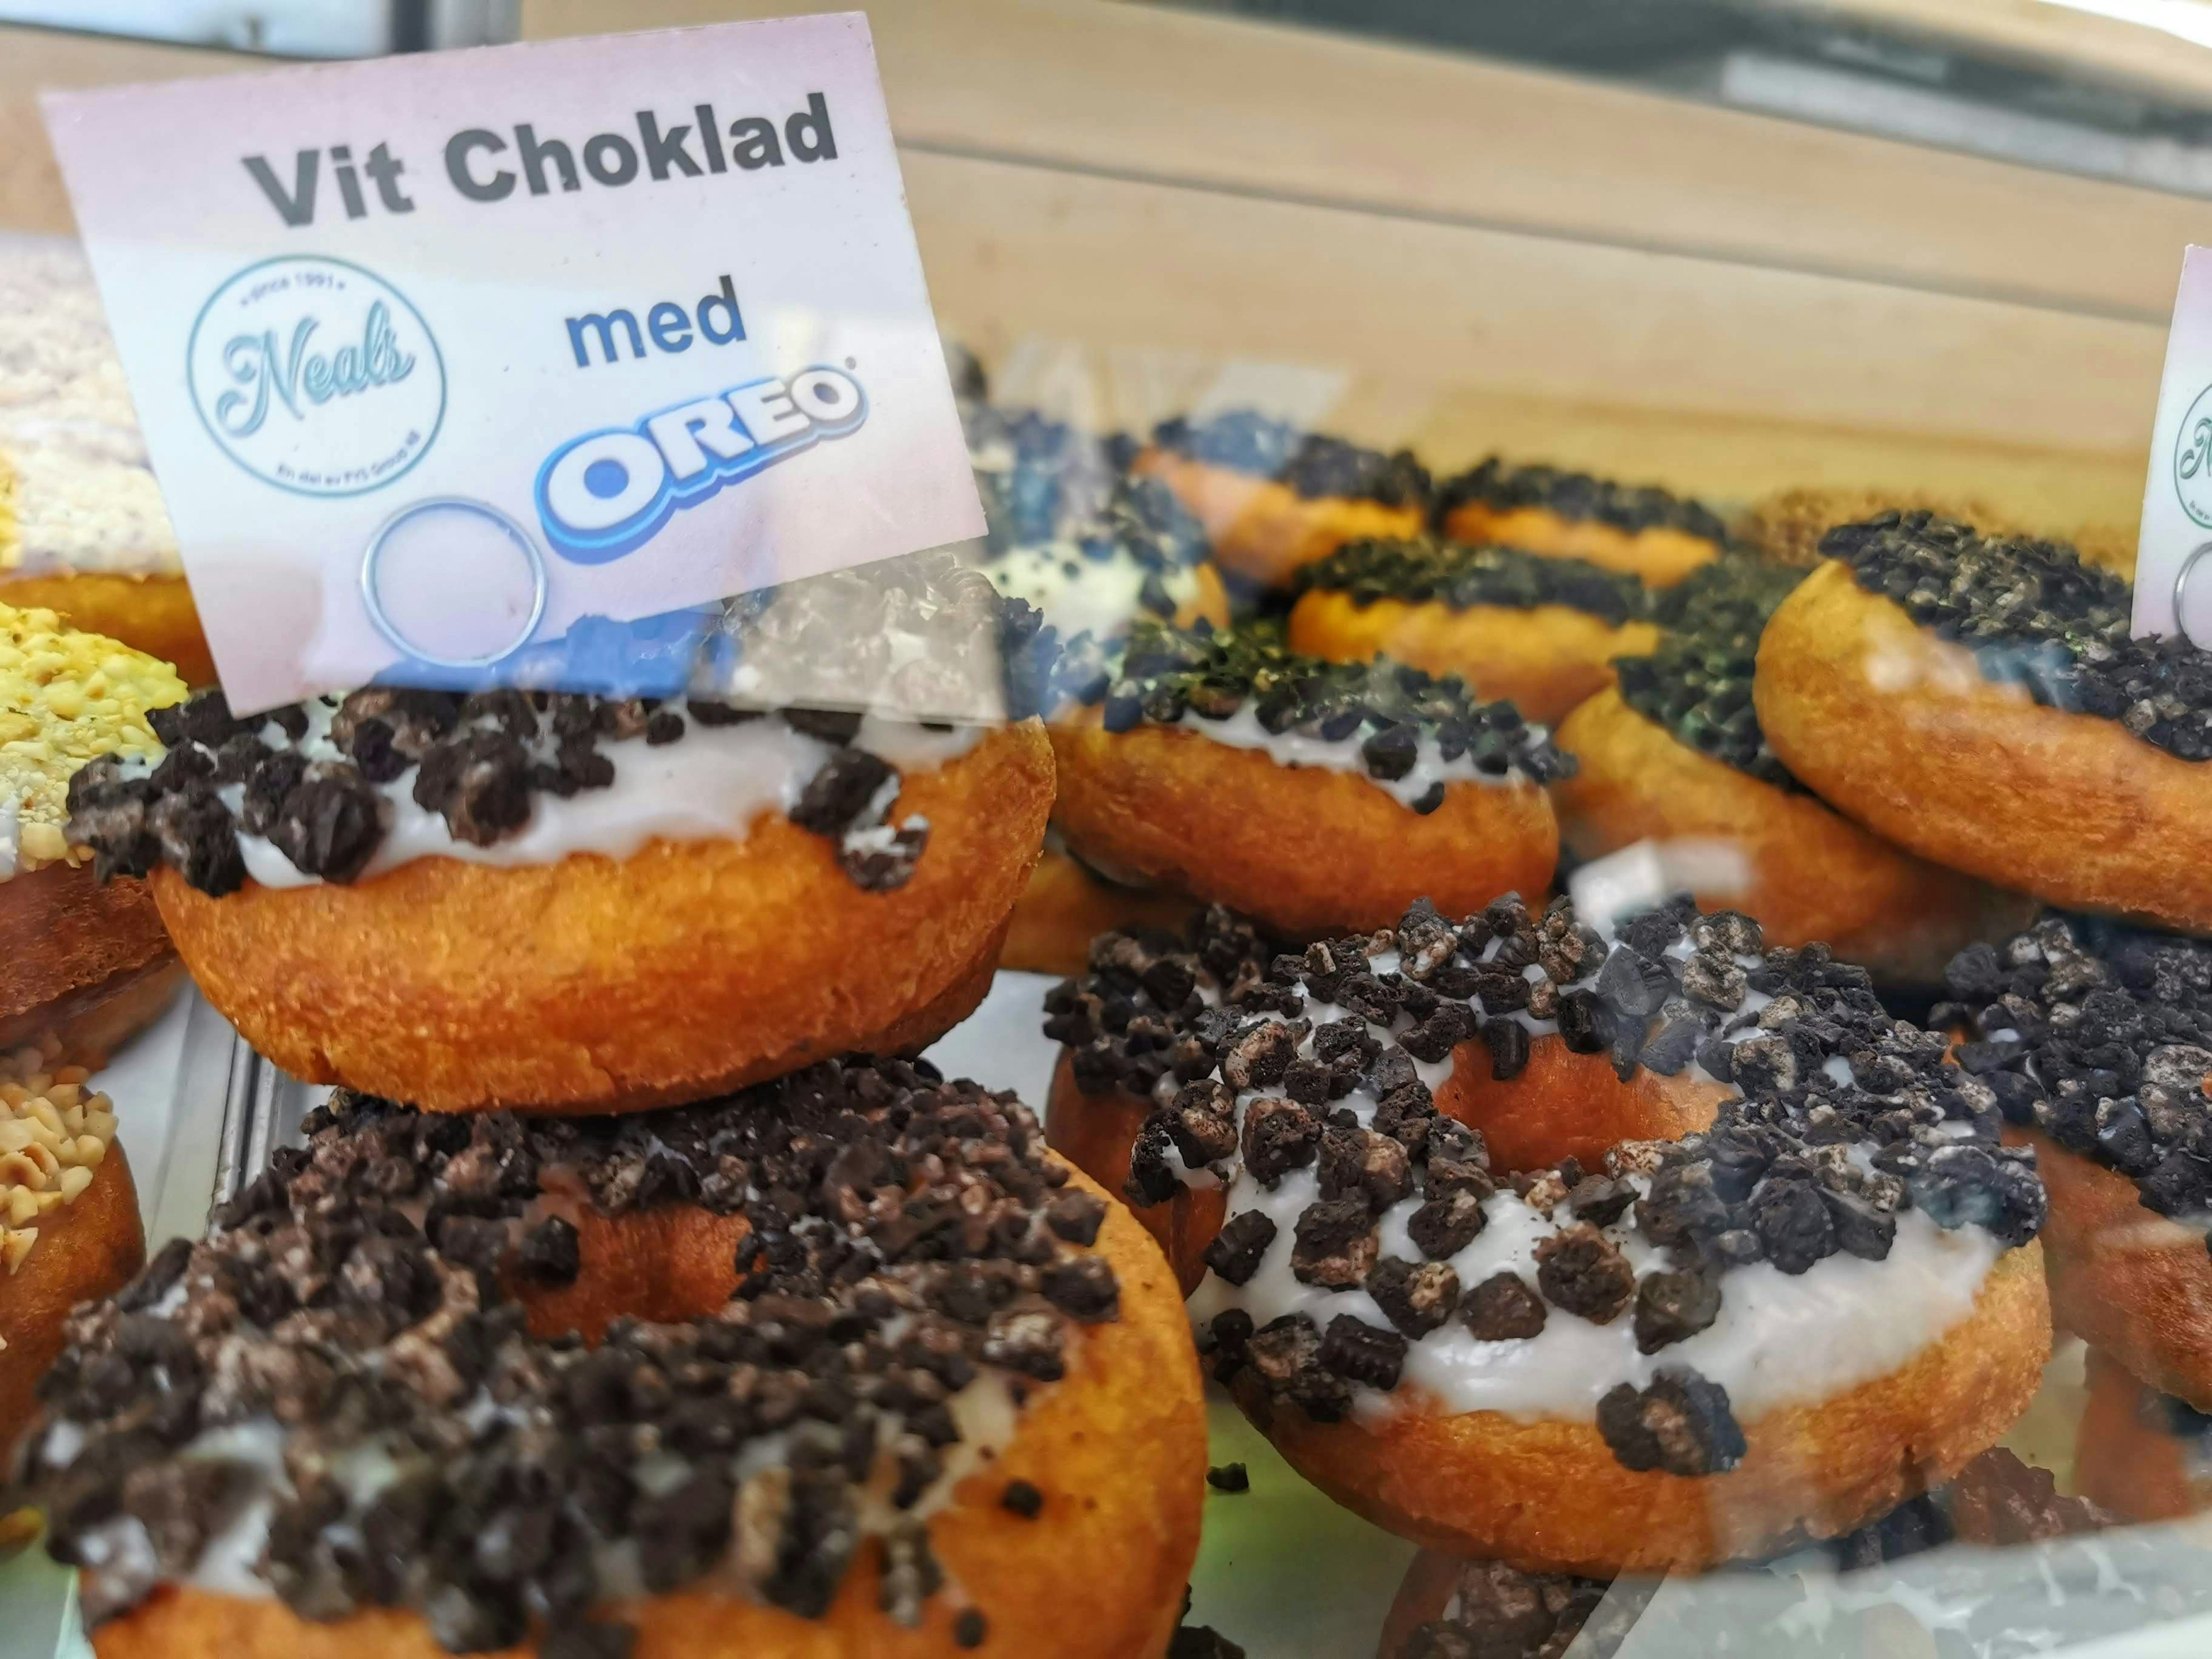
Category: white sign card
[438,356]
[2173,557]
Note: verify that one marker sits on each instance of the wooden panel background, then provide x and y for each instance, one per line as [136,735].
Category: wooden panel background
[1128,208]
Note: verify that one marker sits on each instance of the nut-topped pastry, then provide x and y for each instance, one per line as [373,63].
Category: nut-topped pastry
[87,962]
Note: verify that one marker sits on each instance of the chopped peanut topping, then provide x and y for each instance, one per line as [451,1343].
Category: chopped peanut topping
[53,1135]
[65,698]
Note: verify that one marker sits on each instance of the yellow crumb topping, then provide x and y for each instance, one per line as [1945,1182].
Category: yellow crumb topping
[65,698]
[54,1134]
[11,527]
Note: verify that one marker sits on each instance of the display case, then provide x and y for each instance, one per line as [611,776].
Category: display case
[1517,969]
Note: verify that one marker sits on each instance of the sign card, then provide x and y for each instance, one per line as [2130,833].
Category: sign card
[438,356]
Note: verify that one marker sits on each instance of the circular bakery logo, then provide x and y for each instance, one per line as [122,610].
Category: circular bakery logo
[316,376]
[2192,460]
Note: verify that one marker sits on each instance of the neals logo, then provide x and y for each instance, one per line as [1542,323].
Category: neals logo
[316,376]
[2192,460]
[609,492]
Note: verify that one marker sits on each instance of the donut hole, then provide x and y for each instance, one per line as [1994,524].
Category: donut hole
[1566,1104]
[663,1265]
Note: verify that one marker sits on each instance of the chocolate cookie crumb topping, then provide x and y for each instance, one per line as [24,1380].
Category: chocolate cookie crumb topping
[1576,495]
[355,1307]
[320,782]
[1696,684]
[1312,464]
[1392,713]
[1462,577]
[2036,617]
[1680,1423]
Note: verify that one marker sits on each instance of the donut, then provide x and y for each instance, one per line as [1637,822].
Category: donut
[1446,1609]
[1798,1285]
[82,529]
[1539,632]
[1676,753]
[1272,497]
[1144,554]
[1315,795]
[2097,1039]
[1067,904]
[2141,1453]
[570,904]
[69,1230]
[1978,703]
[1641,532]
[1039,478]
[86,965]
[466,1385]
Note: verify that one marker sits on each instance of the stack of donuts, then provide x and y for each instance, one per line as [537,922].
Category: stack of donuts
[631,1294]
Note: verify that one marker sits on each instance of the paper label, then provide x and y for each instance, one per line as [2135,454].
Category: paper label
[437,356]
[2173,583]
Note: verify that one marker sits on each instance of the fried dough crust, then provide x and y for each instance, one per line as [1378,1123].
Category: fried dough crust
[1814,874]
[1898,729]
[1544,660]
[1306,849]
[1549,1495]
[598,985]
[1065,907]
[1661,555]
[75,948]
[1263,530]
[85,1251]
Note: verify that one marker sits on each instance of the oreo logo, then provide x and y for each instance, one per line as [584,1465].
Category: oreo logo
[609,492]
[316,376]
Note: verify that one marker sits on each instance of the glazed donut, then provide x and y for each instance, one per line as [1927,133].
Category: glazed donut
[1806,1304]
[1980,703]
[2139,1453]
[1039,478]
[1316,796]
[2097,1039]
[82,529]
[1540,633]
[69,1230]
[1676,753]
[1144,554]
[1644,533]
[1067,904]
[85,964]
[565,904]
[1447,1608]
[1273,498]
[949,1369]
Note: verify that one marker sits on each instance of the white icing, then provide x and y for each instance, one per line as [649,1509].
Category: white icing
[984,1412]
[1780,1339]
[1243,730]
[711,784]
[10,846]
[1081,594]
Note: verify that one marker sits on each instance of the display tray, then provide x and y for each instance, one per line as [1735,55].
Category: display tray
[1282,1571]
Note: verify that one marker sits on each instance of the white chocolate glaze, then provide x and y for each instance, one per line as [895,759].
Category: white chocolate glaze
[1243,730]
[711,784]
[1779,1339]
[1080,593]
